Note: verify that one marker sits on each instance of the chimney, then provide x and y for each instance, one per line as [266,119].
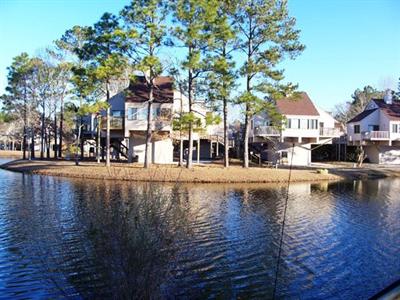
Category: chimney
[388,97]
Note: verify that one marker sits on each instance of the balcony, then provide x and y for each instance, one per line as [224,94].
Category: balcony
[375,135]
[329,132]
[116,123]
[266,131]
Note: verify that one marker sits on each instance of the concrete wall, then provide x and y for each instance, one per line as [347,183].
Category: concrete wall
[161,150]
[301,153]
[372,153]
[383,154]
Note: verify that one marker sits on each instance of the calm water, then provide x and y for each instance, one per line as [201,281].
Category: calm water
[95,239]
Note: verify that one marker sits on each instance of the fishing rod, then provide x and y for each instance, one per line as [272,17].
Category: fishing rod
[283,227]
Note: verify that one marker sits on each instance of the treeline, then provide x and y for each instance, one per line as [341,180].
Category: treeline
[218,46]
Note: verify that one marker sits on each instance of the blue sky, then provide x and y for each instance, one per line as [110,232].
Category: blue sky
[349,43]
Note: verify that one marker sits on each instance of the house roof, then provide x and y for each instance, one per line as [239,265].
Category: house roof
[392,111]
[362,115]
[138,91]
[297,105]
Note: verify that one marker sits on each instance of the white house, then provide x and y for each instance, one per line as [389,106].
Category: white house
[290,142]
[377,129]
[129,122]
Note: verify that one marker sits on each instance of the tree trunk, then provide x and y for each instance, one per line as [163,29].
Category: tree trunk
[24,143]
[98,144]
[180,129]
[42,133]
[77,146]
[246,139]
[108,138]
[55,133]
[147,154]
[48,143]
[61,127]
[226,140]
[33,143]
[189,162]
[248,90]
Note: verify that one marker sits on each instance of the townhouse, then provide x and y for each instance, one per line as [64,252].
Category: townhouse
[304,125]
[128,124]
[377,130]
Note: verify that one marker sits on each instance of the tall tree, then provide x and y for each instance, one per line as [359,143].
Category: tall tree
[70,45]
[221,81]
[144,38]
[192,19]
[267,36]
[102,51]
[18,99]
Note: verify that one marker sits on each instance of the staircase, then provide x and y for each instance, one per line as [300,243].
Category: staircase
[120,148]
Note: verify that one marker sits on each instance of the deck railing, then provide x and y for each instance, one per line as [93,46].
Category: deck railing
[266,130]
[116,123]
[325,131]
[376,135]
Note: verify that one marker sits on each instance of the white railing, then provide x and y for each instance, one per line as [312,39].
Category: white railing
[376,135]
[266,130]
[325,131]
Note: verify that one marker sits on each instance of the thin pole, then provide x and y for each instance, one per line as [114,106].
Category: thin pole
[283,227]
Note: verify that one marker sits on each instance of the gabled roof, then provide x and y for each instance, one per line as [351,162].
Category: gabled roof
[297,105]
[392,111]
[362,115]
[138,91]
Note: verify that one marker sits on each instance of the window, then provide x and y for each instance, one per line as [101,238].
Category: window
[156,112]
[312,124]
[395,127]
[142,113]
[356,129]
[117,113]
[284,154]
[293,123]
[132,113]
[373,127]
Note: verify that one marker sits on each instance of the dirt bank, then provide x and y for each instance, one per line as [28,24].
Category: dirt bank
[162,173]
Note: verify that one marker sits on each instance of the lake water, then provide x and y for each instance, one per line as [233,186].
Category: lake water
[96,239]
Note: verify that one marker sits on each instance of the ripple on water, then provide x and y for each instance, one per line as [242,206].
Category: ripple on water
[341,240]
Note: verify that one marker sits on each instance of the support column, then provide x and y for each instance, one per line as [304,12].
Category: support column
[198,151]
[130,149]
[211,149]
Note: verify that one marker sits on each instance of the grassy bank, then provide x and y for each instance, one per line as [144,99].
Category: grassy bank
[210,173]
[162,173]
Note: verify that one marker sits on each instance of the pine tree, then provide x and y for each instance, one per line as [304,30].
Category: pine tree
[144,35]
[193,19]
[221,79]
[101,50]
[18,99]
[267,37]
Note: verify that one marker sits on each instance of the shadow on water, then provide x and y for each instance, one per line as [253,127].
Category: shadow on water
[102,239]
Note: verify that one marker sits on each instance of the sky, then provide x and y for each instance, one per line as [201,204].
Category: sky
[349,43]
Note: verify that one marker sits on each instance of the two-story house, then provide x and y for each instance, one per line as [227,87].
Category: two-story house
[377,129]
[128,123]
[291,142]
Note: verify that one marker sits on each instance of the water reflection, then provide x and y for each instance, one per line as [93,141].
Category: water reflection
[96,239]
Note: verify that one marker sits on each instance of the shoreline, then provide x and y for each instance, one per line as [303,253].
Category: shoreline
[166,173]
[206,173]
